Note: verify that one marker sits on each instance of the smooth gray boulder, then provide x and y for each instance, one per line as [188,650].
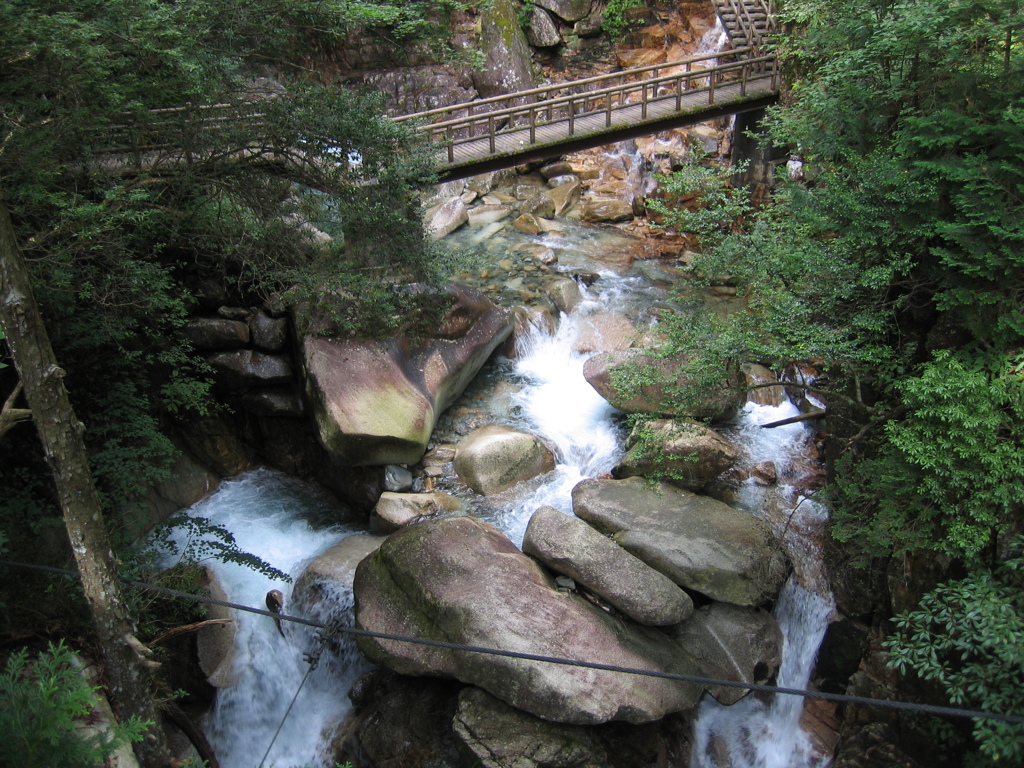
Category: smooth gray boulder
[448,217]
[565,195]
[487,214]
[329,574]
[567,10]
[501,736]
[394,510]
[569,546]
[542,31]
[461,580]
[730,642]
[564,293]
[698,542]
[215,643]
[207,333]
[639,381]
[508,65]
[686,452]
[376,402]
[268,333]
[539,204]
[494,458]
[249,368]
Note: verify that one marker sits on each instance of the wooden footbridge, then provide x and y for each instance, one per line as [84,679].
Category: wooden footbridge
[537,124]
[541,123]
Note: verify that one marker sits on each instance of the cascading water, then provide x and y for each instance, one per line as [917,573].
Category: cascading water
[751,733]
[284,522]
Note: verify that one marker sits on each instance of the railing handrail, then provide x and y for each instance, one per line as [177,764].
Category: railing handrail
[571,83]
[466,120]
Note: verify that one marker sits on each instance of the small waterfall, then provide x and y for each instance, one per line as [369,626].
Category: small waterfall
[713,40]
[282,521]
[750,733]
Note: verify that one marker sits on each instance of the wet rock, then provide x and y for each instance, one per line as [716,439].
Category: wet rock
[730,642]
[564,293]
[249,368]
[611,211]
[542,31]
[376,402]
[540,205]
[698,542]
[487,214]
[561,181]
[206,333]
[330,574]
[215,643]
[269,334]
[394,510]
[604,332]
[447,218]
[655,397]
[755,374]
[495,458]
[569,546]
[501,736]
[688,452]
[397,479]
[765,473]
[527,224]
[461,580]
[559,168]
[564,196]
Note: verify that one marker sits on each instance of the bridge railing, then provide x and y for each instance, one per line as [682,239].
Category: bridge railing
[569,102]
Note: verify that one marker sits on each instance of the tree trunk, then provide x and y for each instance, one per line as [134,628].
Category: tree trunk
[61,435]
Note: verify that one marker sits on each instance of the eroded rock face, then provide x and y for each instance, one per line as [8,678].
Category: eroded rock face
[654,398]
[494,458]
[504,737]
[734,643]
[687,451]
[507,67]
[542,32]
[569,546]
[461,580]
[249,368]
[698,542]
[376,402]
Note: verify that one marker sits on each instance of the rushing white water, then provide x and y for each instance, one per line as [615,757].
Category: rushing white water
[750,733]
[284,522]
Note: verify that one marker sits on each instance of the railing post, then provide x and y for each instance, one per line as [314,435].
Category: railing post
[743,80]
[533,125]
[643,102]
[689,83]
[711,86]
[451,144]
[490,132]
[608,111]
[572,116]
[679,93]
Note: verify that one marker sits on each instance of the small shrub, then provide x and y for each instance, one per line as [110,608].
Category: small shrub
[39,703]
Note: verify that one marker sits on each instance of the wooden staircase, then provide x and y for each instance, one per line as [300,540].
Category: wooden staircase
[746,22]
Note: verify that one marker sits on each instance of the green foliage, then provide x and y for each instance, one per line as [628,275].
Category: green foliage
[39,705]
[716,207]
[968,636]
[616,21]
[947,477]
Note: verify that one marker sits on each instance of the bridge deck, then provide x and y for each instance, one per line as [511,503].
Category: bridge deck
[514,146]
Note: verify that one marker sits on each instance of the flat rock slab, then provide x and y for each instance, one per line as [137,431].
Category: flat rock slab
[461,580]
[569,546]
[698,542]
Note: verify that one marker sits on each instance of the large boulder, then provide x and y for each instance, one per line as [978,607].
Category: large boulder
[730,642]
[698,542]
[567,10]
[206,333]
[688,452]
[215,643]
[376,402]
[606,210]
[461,580]
[330,574]
[494,458]
[249,368]
[542,31]
[569,546]
[446,218]
[565,196]
[501,736]
[508,64]
[639,381]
